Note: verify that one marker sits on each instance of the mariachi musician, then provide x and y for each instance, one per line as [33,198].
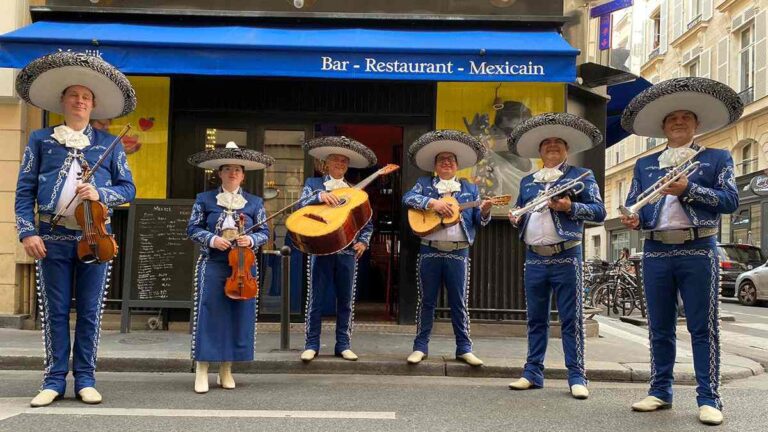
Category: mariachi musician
[552,232]
[81,88]
[676,198]
[444,255]
[223,328]
[336,272]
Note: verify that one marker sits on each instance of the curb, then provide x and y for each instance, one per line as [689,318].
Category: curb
[288,363]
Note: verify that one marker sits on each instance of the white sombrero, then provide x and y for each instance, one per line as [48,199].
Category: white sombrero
[231,155]
[714,103]
[42,82]
[468,149]
[579,134]
[359,155]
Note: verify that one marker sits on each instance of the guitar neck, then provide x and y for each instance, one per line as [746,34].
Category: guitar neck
[368,180]
[469,204]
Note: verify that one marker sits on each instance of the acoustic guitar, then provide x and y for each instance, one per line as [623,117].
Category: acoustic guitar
[425,222]
[321,229]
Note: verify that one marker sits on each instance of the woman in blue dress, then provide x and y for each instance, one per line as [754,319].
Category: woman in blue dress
[224,330]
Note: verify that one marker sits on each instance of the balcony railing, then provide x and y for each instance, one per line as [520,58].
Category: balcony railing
[747,166]
[747,96]
[653,54]
[694,21]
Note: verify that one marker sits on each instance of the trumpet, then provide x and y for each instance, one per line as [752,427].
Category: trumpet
[574,186]
[653,193]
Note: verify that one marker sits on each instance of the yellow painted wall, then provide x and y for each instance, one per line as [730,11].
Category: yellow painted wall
[147,141]
[462,106]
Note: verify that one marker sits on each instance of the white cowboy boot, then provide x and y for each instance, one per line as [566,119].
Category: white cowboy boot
[225,378]
[416,357]
[710,415]
[89,395]
[470,359]
[520,384]
[579,391]
[201,377]
[308,355]
[45,398]
[348,355]
[650,403]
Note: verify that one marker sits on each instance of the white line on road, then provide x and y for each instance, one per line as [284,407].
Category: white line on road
[743,340]
[756,326]
[745,314]
[147,412]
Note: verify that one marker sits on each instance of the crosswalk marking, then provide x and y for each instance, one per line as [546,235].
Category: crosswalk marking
[612,327]
[743,340]
[756,326]
[149,412]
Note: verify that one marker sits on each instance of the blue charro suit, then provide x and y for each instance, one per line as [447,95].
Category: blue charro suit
[223,330]
[44,169]
[337,272]
[561,274]
[437,268]
[690,268]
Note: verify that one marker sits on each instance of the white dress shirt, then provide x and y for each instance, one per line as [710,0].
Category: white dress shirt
[672,216]
[540,230]
[69,190]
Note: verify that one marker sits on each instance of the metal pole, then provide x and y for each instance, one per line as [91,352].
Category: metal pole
[285,312]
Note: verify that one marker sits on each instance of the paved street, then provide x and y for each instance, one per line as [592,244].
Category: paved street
[363,403]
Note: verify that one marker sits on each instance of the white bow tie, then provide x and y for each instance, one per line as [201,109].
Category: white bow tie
[546,175]
[448,186]
[674,156]
[70,137]
[230,200]
[334,184]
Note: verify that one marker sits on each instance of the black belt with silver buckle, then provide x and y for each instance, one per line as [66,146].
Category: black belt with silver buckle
[549,250]
[679,236]
[446,246]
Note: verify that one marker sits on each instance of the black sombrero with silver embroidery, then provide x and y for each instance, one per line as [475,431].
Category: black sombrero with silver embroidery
[231,155]
[468,149]
[42,82]
[359,155]
[714,103]
[578,133]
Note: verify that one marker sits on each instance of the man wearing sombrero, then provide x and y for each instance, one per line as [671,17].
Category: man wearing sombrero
[223,329]
[680,230]
[81,88]
[444,255]
[553,241]
[336,272]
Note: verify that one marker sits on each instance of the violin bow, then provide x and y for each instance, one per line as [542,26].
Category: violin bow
[89,173]
[274,215]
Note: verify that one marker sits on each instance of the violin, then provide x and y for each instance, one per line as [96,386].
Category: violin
[96,245]
[241,284]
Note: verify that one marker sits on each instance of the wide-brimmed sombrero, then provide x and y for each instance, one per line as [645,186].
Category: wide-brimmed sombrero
[42,82]
[578,133]
[231,155]
[468,149]
[359,155]
[714,103]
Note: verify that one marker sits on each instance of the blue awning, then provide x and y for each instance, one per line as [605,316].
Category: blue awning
[348,53]
[621,95]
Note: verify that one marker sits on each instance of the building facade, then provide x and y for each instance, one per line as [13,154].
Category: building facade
[723,40]
[275,96]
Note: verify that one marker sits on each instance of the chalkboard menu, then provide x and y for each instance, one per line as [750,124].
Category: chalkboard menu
[160,258]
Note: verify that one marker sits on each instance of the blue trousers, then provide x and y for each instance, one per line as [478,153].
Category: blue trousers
[691,269]
[435,270]
[337,272]
[223,330]
[57,274]
[560,274]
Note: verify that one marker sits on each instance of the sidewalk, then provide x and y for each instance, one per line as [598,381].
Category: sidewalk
[609,357]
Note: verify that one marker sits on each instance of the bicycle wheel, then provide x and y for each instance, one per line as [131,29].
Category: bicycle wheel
[601,298]
[624,300]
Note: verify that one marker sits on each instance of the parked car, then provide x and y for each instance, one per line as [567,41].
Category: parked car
[753,285]
[735,259]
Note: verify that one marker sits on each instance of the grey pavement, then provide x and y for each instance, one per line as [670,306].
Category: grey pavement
[165,401]
[620,353]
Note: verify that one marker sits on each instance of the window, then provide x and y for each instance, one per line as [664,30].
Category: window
[596,246]
[656,35]
[694,12]
[619,241]
[748,160]
[746,58]
[693,68]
